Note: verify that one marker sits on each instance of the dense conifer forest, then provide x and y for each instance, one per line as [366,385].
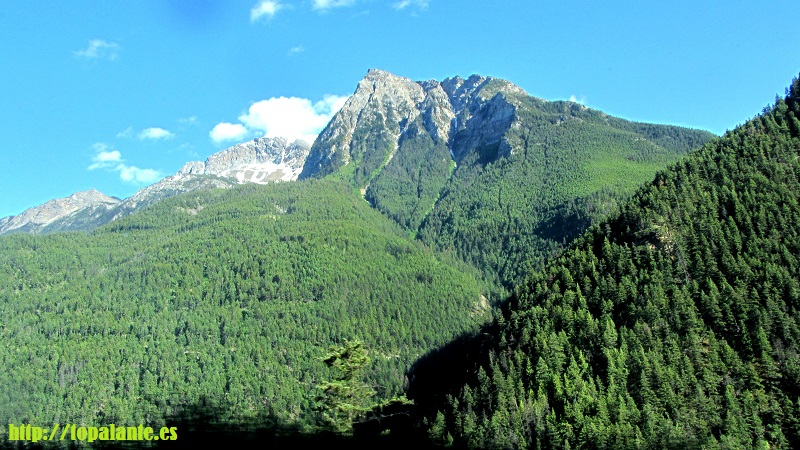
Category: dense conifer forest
[673,324]
[230,297]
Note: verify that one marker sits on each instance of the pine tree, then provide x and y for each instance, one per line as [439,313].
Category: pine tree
[345,398]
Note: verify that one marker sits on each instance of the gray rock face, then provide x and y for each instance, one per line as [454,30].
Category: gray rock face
[258,161]
[464,114]
[38,218]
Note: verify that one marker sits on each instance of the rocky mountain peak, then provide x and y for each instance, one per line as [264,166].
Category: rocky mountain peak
[91,196]
[387,106]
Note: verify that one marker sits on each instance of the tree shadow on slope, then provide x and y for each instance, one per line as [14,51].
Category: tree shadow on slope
[445,370]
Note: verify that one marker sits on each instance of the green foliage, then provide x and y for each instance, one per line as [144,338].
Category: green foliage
[224,295]
[673,324]
[524,192]
[569,166]
[345,398]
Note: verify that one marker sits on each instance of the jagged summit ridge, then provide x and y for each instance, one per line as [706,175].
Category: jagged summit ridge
[463,114]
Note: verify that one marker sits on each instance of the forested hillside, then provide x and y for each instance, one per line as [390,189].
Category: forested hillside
[673,324]
[569,166]
[230,297]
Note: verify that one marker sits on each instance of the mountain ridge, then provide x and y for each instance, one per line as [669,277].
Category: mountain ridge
[39,217]
[260,161]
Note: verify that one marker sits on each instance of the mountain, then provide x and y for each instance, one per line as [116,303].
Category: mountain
[234,299]
[479,168]
[54,212]
[671,324]
[260,161]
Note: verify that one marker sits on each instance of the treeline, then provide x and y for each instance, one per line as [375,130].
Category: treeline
[673,324]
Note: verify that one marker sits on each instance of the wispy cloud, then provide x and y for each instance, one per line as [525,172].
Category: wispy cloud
[296,50]
[418,4]
[99,49]
[324,5]
[126,133]
[155,133]
[109,159]
[226,132]
[575,99]
[191,120]
[264,9]
[152,133]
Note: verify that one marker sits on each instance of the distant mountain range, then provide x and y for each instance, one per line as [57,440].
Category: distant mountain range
[260,161]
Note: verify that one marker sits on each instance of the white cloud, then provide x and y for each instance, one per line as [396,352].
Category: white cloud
[292,117]
[223,132]
[296,49]
[99,48]
[104,157]
[111,160]
[139,176]
[264,8]
[324,5]
[402,4]
[155,133]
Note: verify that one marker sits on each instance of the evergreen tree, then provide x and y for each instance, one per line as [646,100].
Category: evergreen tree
[345,398]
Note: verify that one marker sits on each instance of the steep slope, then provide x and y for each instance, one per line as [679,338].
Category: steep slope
[479,168]
[225,296]
[260,161]
[673,324]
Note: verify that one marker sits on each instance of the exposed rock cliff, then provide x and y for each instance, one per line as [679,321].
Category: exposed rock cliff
[258,161]
[463,115]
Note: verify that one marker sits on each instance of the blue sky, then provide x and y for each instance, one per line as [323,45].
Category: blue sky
[115,95]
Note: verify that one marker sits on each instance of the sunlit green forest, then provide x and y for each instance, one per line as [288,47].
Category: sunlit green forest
[231,296]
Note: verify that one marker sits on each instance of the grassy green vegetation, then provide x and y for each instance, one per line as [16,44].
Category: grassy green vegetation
[410,184]
[569,166]
[228,297]
[675,323]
